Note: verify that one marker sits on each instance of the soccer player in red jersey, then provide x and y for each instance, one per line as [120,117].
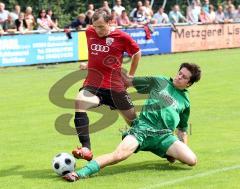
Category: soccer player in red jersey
[103,84]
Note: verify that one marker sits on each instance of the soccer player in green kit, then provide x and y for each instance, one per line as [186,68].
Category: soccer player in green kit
[167,109]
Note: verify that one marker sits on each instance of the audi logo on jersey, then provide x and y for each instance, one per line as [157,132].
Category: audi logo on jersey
[99,48]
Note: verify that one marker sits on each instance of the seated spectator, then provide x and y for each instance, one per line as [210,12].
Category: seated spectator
[205,6]
[88,19]
[52,16]
[9,25]
[212,14]
[78,23]
[16,12]
[123,19]
[160,17]
[220,17]
[148,9]
[193,12]
[3,14]
[237,15]
[139,4]
[204,17]
[140,17]
[118,8]
[29,18]
[175,16]
[45,24]
[113,21]
[230,14]
[21,23]
[106,6]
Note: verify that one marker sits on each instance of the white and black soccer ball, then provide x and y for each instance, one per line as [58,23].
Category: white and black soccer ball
[63,163]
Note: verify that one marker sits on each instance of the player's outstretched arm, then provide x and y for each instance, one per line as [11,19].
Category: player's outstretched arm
[135,59]
[83,66]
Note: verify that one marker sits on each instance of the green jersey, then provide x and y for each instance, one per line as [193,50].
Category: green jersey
[166,107]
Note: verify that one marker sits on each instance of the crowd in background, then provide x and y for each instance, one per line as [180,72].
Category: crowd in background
[197,13]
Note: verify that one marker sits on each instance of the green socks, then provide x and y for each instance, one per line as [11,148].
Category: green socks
[91,168]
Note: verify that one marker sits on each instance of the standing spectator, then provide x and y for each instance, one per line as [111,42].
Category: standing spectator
[29,18]
[123,20]
[160,17]
[205,6]
[78,23]
[140,17]
[118,7]
[193,13]
[52,16]
[21,23]
[90,7]
[175,16]
[139,4]
[204,17]
[113,22]
[230,13]
[89,16]
[148,9]
[3,14]
[237,15]
[106,6]
[226,4]
[9,25]
[220,15]
[212,14]
[16,12]
[45,24]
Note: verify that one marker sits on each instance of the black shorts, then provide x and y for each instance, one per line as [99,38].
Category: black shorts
[115,100]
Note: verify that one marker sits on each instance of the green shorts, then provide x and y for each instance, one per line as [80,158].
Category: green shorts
[150,139]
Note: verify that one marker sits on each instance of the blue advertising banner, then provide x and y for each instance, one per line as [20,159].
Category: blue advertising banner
[159,43]
[38,48]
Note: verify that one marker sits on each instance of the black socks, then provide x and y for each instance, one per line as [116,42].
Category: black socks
[82,126]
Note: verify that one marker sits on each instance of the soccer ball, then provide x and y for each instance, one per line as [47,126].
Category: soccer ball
[63,163]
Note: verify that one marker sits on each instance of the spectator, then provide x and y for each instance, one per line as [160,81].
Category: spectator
[78,23]
[45,24]
[212,14]
[193,12]
[21,23]
[88,18]
[220,17]
[3,14]
[16,12]
[1,30]
[237,15]
[204,17]
[160,17]
[29,18]
[118,8]
[139,4]
[123,19]
[148,9]
[9,25]
[140,17]
[52,16]
[230,13]
[106,6]
[205,6]
[175,16]
[226,4]
[113,22]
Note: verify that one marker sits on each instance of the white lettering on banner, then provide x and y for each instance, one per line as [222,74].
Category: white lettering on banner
[11,60]
[142,34]
[57,38]
[99,48]
[144,41]
[14,53]
[9,44]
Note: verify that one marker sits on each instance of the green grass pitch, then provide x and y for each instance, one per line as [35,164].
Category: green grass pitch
[29,140]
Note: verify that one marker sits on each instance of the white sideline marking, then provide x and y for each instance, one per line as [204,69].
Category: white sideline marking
[182,179]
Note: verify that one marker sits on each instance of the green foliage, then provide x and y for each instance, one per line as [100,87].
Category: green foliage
[67,10]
